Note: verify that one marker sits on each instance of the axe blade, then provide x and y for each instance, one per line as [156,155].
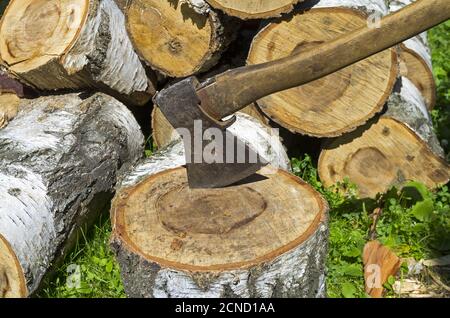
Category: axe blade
[219,161]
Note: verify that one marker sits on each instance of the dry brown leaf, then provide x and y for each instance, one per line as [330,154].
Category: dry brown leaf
[379,263]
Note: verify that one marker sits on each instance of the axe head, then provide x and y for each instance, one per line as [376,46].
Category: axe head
[214,156]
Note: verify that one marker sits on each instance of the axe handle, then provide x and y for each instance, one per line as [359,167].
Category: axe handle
[235,89]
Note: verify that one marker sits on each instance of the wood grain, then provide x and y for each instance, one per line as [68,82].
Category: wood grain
[337,103]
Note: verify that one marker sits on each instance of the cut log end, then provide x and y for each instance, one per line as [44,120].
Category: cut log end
[37,31]
[415,68]
[12,280]
[264,237]
[173,38]
[388,153]
[254,9]
[337,103]
[80,44]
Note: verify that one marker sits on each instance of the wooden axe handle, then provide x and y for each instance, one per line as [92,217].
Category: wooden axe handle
[235,89]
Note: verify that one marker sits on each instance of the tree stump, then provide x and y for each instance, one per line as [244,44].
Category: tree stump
[163,133]
[415,60]
[253,9]
[341,101]
[178,38]
[74,44]
[59,162]
[264,237]
[398,146]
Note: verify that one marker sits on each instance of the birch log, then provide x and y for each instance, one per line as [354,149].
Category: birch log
[163,133]
[59,162]
[253,9]
[265,237]
[72,44]
[339,102]
[178,38]
[397,147]
[415,60]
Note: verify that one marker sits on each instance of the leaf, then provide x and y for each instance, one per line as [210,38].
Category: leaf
[352,270]
[416,191]
[103,261]
[348,290]
[391,280]
[109,267]
[423,210]
[352,252]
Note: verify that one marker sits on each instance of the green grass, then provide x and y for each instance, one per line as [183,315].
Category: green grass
[98,271]
[415,221]
[439,38]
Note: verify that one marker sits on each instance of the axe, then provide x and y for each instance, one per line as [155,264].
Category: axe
[199,111]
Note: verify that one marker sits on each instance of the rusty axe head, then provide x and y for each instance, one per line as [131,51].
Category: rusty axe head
[214,156]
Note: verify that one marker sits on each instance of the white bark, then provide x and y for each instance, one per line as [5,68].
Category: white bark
[200,6]
[101,57]
[297,273]
[419,43]
[121,69]
[366,6]
[407,105]
[59,161]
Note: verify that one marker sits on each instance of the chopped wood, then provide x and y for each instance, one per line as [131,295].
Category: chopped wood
[339,102]
[59,161]
[79,44]
[265,237]
[176,38]
[396,147]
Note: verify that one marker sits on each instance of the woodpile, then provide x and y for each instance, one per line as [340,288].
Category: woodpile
[59,161]
[399,144]
[76,77]
[75,44]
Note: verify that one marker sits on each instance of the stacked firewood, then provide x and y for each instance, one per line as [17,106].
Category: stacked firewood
[72,70]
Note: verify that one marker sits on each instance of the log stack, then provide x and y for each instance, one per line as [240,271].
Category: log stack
[399,144]
[59,161]
[77,44]
[61,154]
